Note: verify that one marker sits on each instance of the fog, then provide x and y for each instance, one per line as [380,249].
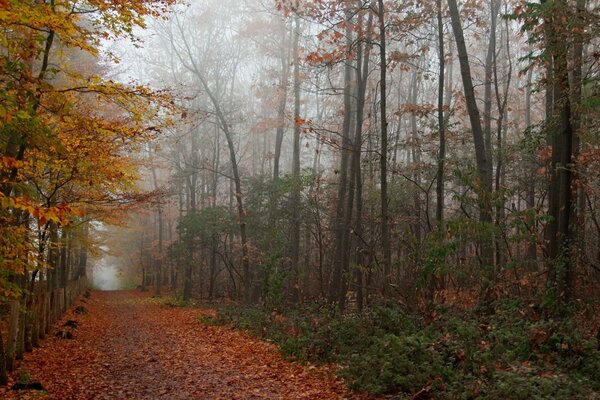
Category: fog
[278,123]
[289,169]
[107,277]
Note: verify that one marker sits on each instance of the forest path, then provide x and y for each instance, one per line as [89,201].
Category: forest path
[130,346]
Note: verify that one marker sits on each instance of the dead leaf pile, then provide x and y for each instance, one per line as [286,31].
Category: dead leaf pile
[127,346]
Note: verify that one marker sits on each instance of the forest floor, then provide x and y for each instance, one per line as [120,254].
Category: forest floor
[129,345]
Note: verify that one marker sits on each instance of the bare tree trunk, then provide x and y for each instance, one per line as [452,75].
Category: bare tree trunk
[362,71]
[295,195]
[213,268]
[441,157]
[465,70]
[501,101]
[187,273]
[3,369]
[579,211]
[489,69]
[338,286]
[561,268]
[158,261]
[22,323]
[385,228]
[13,333]
[83,251]
[65,266]
[214,194]
[416,159]
[531,184]
[487,114]
[283,84]
[191,183]
[439,211]
[483,185]
[143,264]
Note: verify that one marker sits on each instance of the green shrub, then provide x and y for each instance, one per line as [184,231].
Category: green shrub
[395,364]
[520,386]
[505,352]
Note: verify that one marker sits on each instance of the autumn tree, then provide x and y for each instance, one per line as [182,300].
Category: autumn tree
[65,130]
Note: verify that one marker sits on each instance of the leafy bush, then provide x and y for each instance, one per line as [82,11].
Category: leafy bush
[506,352]
[395,364]
[528,386]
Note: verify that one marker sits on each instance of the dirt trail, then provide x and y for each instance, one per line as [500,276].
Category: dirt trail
[129,346]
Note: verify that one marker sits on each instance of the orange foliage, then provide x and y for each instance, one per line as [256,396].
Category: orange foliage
[130,346]
[68,134]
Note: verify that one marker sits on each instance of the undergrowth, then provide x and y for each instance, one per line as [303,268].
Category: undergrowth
[507,352]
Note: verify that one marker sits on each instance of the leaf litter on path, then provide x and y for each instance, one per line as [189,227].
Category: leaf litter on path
[128,346]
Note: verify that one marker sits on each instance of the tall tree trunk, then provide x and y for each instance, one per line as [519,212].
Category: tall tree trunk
[483,186]
[338,286]
[472,108]
[283,84]
[362,71]
[441,157]
[385,227]
[501,126]
[531,184]
[13,334]
[561,268]
[487,114]
[213,267]
[296,186]
[3,369]
[187,273]
[22,321]
[191,181]
[439,211]
[579,211]
[83,251]
[143,264]
[159,213]
[489,69]
[64,267]
[415,147]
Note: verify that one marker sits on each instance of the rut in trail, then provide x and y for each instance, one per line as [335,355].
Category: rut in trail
[129,346]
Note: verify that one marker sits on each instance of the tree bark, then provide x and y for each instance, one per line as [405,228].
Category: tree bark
[501,126]
[13,333]
[362,72]
[489,70]
[338,287]
[296,186]
[531,184]
[159,213]
[561,268]
[283,85]
[3,369]
[579,212]
[483,185]
[385,228]
[439,211]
